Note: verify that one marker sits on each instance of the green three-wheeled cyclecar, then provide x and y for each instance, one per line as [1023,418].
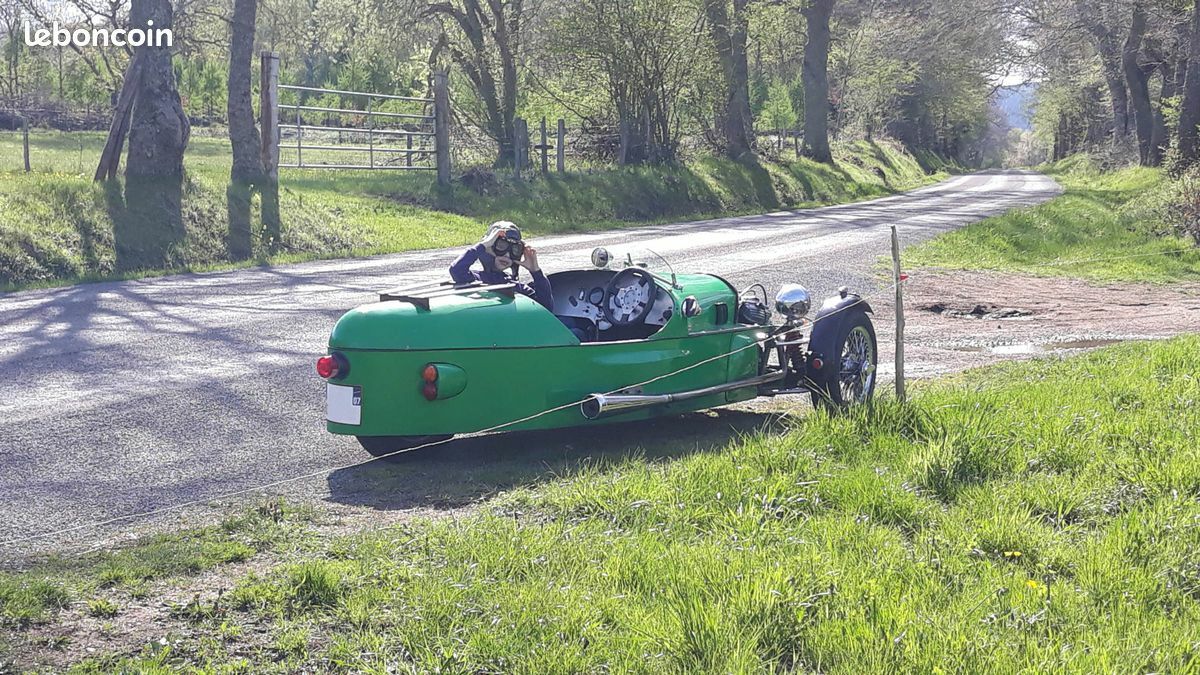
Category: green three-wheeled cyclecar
[622,342]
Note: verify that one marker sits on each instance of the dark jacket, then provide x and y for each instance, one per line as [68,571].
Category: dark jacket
[462,273]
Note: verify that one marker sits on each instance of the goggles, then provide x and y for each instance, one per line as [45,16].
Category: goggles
[509,245]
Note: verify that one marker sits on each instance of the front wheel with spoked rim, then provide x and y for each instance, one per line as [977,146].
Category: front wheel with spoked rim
[851,379]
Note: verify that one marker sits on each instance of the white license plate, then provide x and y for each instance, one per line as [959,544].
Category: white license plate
[343,404]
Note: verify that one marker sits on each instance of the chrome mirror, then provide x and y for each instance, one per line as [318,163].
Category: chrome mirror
[691,306]
[600,257]
[793,301]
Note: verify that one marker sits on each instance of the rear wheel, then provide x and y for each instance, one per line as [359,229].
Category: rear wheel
[852,379]
[382,446]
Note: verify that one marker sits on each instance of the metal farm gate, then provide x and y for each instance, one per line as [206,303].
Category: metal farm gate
[320,128]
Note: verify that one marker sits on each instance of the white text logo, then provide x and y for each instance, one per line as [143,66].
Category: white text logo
[58,36]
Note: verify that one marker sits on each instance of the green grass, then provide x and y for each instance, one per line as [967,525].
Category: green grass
[1105,227]
[32,596]
[1033,517]
[61,227]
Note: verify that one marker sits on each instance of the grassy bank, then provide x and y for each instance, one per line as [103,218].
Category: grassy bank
[32,597]
[59,226]
[1042,516]
[1110,221]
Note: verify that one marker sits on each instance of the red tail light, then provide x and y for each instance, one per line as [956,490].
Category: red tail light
[333,366]
[429,375]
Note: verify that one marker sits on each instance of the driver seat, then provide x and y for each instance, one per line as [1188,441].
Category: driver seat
[583,329]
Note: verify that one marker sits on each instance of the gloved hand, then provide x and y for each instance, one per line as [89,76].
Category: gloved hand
[490,238]
[530,261]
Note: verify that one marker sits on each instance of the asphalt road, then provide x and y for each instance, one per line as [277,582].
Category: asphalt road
[126,397]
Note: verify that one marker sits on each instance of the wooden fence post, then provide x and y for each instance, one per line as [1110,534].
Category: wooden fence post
[545,150]
[25,139]
[268,111]
[520,146]
[441,126]
[516,148]
[408,155]
[898,279]
[623,148]
[370,135]
[560,146]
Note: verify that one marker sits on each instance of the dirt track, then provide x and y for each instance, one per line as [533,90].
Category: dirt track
[960,320]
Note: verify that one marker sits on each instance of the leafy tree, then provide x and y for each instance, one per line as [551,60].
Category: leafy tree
[778,113]
[641,53]
[485,42]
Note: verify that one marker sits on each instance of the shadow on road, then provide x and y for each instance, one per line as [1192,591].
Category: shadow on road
[462,472]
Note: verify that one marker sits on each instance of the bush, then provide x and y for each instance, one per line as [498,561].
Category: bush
[1182,210]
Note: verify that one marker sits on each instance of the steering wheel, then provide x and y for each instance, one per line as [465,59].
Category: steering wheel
[629,296]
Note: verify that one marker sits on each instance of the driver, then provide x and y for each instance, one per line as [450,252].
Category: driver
[500,252]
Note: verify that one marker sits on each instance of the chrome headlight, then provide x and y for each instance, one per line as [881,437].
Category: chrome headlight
[793,301]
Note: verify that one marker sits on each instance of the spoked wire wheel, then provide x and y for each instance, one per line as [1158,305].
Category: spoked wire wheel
[856,378]
[852,381]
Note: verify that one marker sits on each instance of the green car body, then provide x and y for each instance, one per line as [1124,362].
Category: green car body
[420,366]
[518,360]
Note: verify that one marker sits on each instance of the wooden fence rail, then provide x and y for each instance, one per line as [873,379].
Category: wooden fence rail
[521,147]
[424,136]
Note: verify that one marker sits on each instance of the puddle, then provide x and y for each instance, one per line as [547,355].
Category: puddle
[1044,348]
[990,312]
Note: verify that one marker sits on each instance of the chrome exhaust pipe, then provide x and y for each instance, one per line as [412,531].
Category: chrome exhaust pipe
[604,405]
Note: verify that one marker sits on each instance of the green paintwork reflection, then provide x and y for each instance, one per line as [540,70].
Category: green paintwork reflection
[451,380]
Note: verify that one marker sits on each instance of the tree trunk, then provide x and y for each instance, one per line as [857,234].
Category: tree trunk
[1118,96]
[243,134]
[498,28]
[815,77]
[247,169]
[507,34]
[152,222]
[1189,113]
[160,129]
[1160,136]
[729,38]
[1110,60]
[1139,88]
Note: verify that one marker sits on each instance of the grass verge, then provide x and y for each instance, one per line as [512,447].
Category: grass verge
[36,594]
[1033,517]
[61,227]
[1109,221]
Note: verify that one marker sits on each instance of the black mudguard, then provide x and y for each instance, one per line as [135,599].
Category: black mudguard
[828,324]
